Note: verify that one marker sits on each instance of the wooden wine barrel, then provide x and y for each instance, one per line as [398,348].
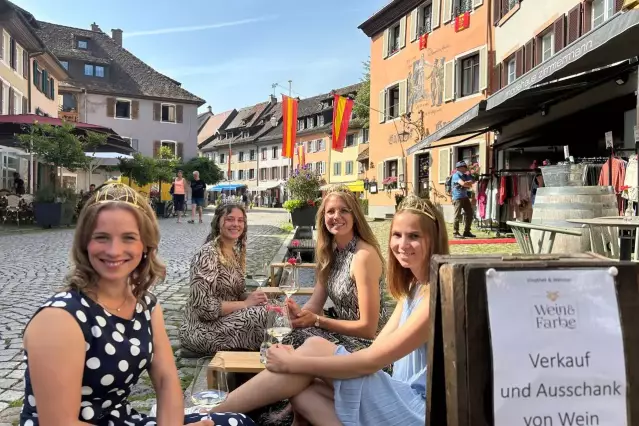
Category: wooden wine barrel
[554,205]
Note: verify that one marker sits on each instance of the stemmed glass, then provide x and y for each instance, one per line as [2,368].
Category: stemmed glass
[262,275]
[210,386]
[290,284]
[278,324]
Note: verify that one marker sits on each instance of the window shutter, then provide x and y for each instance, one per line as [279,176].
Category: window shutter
[618,5]
[11,102]
[403,97]
[448,11]
[401,170]
[519,62]
[25,105]
[52,88]
[156,148]
[413,25]
[2,89]
[35,73]
[402,32]
[496,11]
[449,81]
[25,64]
[574,24]
[477,3]
[380,175]
[436,14]
[504,74]
[157,111]
[382,106]
[135,110]
[587,16]
[179,113]
[529,53]
[2,52]
[483,68]
[180,150]
[110,107]
[45,82]
[14,54]
[482,156]
[385,44]
[135,143]
[495,83]
[444,164]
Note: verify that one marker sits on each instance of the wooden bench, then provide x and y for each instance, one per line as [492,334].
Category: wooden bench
[235,362]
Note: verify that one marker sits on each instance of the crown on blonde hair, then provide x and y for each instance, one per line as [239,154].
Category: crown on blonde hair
[418,205]
[338,188]
[118,193]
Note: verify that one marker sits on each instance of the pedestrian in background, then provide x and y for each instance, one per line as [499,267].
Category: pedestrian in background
[198,187]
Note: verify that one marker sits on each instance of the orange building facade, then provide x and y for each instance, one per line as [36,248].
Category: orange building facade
[430,62]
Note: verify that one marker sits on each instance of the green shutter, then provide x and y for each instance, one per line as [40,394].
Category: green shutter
[45,82]
[52,84]
[35,73]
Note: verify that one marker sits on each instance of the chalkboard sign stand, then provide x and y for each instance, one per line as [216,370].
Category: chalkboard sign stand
[461,336]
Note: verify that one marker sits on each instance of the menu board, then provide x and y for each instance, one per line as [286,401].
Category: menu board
[557,347]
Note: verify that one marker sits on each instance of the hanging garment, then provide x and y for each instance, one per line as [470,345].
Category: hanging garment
[482,198]
[631,180]
[502,190]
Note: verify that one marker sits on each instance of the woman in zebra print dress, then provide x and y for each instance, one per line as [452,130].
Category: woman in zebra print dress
[219,314]
[349,271]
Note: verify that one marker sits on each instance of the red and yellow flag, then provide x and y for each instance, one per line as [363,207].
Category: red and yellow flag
[342,109]
[228,173]
[301,158]
[289,123]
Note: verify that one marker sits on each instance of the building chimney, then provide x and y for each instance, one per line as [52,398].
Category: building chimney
[116,35]
[273,100]
[210,109]
[95,27]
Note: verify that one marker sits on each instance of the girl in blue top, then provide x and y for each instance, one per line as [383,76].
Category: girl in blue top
[328,385]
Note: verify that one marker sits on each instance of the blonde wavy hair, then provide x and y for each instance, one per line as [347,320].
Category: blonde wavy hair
[324,253]
[214,236]
[82,277]
[400,280]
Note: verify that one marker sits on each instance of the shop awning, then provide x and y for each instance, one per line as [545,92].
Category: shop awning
[225,187]
[357,186]
[532,90]
[266,186]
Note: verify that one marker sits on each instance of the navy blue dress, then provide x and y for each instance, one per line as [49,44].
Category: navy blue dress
[118,351]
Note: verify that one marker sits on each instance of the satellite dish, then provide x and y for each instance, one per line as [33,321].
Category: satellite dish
[274,121]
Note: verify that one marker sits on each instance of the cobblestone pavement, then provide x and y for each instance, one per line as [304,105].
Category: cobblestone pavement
[32,267]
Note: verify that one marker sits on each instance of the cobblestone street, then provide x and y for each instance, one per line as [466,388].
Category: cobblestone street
[33,266]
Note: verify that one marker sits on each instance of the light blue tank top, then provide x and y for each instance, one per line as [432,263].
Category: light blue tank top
[412,368]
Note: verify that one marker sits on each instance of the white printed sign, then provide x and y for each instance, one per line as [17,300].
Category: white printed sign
[558,357]
[609,140]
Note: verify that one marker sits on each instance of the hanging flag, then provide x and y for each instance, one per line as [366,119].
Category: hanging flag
[229,170]
[423,41]
[289,123]
[342,109]
[301,158]
[462,22]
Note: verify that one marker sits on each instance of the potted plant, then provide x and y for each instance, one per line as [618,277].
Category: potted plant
[304,187]
[63,147]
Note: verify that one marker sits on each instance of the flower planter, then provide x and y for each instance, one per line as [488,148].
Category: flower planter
[53,214]
[304,216]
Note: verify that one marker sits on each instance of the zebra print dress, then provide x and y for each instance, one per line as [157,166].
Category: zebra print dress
[342,291]
[204,329]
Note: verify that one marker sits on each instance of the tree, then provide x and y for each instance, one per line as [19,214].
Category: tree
[363,98]
[142,170]
[166,165]
[209,171]
[61,146]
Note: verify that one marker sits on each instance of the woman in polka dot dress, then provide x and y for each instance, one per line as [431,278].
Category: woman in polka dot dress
[87,346]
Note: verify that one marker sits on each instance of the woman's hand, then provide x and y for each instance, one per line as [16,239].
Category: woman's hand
[278,358]
[293,308]
[304,319]
[255,298]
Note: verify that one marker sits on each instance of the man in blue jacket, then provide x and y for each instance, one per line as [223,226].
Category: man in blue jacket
[461,182]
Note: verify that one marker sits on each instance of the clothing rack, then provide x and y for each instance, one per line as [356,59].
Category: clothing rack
[488,176]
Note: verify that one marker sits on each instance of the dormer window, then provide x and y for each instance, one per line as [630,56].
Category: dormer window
[83,44]
[94,70]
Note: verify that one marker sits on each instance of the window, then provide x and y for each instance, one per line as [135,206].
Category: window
[5,99]
[240,175]
[470,75]
[284,172]
[123,109]
[275,171]
[168,113]
[170,144]
[65,65]
[17,102]
[83,44]
[240,156]
[301,124]
[13,54]
[320,120]
[274,152]
[393,39]
[263,173]
[99,71]
[251,174]
[547,46]
[349,167]
[337,169]
[393,102]
[88,69]
[601,11]
[365,135]
[424,18]
[350,140]
[512,70]
[390,169]
[469,154]
[462,6]
[252,155]
[264,151]
[246,133]
[222,158]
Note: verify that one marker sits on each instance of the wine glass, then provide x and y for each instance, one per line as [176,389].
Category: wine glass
[290,283]
[278,324]
[262,274]
[210,386]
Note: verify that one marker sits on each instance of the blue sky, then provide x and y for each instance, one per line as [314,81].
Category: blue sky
[231,52]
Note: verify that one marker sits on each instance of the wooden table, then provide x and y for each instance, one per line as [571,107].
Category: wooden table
[276,291]
[235,362]
[625,224]
[282,265]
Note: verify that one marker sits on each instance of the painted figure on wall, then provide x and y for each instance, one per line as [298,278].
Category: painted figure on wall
[417,83]
[437,82]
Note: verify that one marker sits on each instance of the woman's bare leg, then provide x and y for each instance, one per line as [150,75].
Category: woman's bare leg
[316,404]
[267,388]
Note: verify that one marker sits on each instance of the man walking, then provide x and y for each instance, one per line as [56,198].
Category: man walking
[198,187]
[461,182]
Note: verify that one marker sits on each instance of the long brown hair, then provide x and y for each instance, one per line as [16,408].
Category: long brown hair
[82,277]
[400,280]
[214,236]
[324,253]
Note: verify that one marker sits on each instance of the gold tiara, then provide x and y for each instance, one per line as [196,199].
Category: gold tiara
[418,205]
[338,188]
[118,193]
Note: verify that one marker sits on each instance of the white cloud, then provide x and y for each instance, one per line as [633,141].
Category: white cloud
[198,27]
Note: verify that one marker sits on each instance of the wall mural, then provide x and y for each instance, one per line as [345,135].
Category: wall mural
[422,73]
